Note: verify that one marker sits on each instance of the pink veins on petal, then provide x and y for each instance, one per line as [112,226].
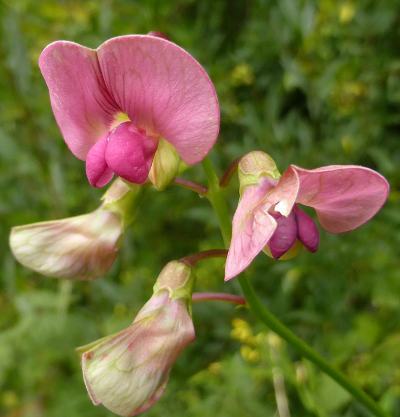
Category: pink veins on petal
[146,80]
[343,196]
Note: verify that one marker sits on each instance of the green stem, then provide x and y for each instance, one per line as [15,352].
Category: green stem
[216,195]
[64,294]
[218,202]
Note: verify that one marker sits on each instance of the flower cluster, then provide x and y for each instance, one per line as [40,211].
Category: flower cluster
[141,108]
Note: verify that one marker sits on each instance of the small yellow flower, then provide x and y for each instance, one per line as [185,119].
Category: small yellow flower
[243,334]
[215,367]
[9,399]
[239,323]
[242,74]
[249,354]
[348,144]
[274,340]
[346,12]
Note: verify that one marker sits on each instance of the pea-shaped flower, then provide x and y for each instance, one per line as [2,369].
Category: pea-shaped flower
[268,217]
[82,247]
[128,372]
[114,104]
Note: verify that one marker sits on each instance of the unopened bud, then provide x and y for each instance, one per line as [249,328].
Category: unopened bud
[177,278]
[128,372]
[254,166]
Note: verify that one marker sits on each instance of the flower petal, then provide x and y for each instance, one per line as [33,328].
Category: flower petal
[128,372]
[252,225]
[284,236]
[307,230]
[283,197]
[344,196]
[97,171]
[251,229]
[82,106]
[164,91]
[151,401]
[79,248]
[129,153]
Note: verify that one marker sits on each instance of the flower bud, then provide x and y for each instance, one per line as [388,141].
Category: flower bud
[254,166]
[176,277]
[128,372]
[81,247]
[166,165]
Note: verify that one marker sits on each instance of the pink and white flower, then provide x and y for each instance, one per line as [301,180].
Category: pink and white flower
[128,372]
[113,104]
[78,248]
[268,217]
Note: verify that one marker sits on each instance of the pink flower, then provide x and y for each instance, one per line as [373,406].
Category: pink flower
[129,371]
[268,217]
[113,104]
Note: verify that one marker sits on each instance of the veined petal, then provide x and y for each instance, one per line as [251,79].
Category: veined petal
[83,108]
[283,197]
[251,229]
[344,196]
[79,248]
[252,225]
[128,372]
[164,91]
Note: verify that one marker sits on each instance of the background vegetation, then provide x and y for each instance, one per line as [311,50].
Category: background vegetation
[311,83]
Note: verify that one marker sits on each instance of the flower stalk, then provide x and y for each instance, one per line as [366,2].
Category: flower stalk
[192,260]
[218,296]
[229,173]
[190,185]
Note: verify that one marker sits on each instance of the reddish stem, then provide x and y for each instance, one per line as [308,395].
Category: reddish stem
[218,296]
[226,178]
[191,185]
[192,260]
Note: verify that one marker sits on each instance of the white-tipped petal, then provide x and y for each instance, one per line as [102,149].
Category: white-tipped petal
[79,248]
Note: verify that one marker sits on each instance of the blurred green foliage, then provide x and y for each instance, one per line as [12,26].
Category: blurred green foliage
[310,82]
